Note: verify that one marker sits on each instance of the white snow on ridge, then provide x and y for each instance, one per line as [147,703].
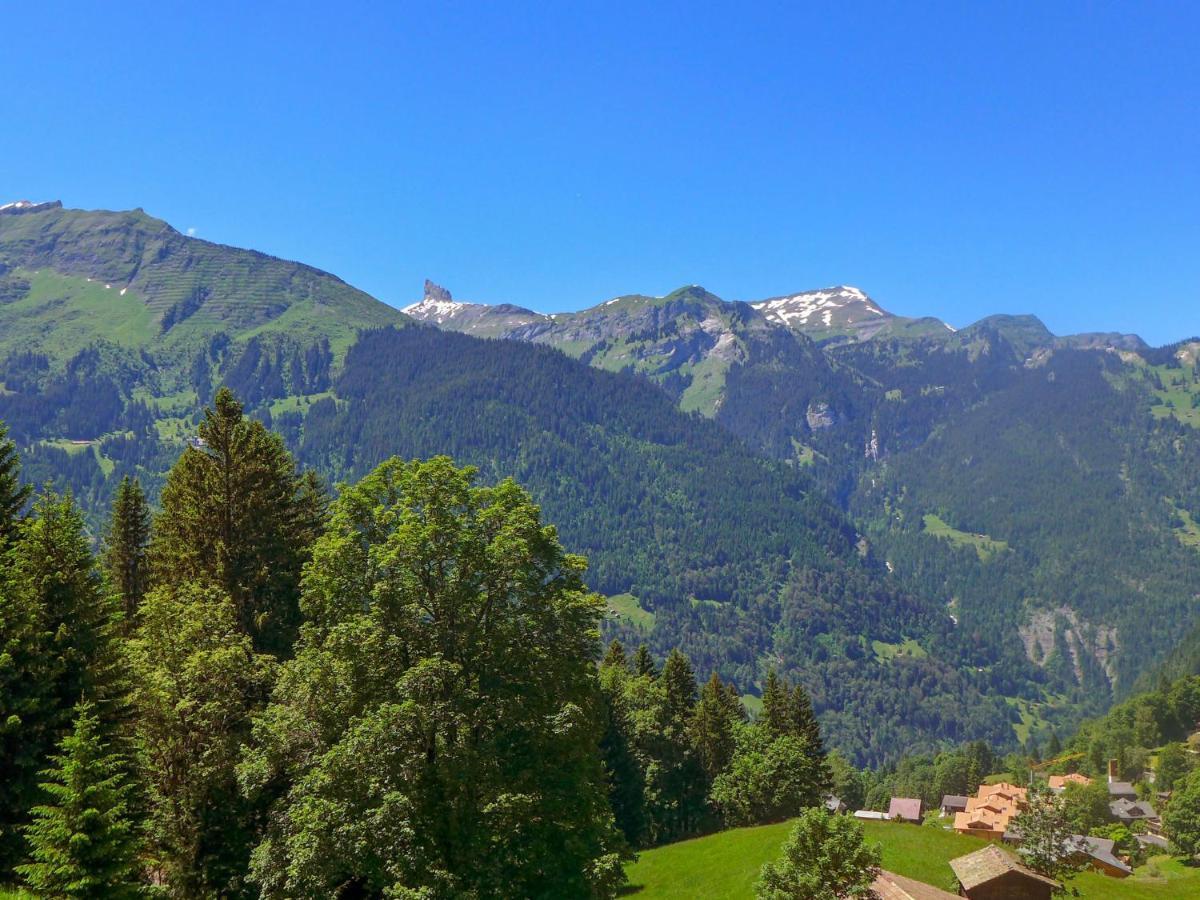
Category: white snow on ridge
[437,310]
[800,308]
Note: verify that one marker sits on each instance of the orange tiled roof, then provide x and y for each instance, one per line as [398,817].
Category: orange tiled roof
[1058,782]
[995,806]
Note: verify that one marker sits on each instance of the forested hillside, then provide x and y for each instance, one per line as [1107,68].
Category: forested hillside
[944,535]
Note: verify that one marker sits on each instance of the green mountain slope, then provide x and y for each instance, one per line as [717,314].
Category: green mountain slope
[134,280]
[945,535]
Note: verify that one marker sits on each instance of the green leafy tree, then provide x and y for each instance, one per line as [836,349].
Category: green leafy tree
[238,515]
[1181,819]
[1174,762]
[197,680]
[1045,831]
[824,858]
[13,494]
[83,843]
[126,546]
[768,779]
[438,727]
[1086,806]
[847,782]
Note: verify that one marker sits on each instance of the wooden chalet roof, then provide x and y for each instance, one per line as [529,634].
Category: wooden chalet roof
[989,864]
[890,886]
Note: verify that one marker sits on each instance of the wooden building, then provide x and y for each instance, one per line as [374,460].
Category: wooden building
[995,874]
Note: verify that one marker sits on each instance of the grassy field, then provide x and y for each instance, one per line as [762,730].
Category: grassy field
[725,866]
[62,314]
[1177,398]
[985,546]
[626,606]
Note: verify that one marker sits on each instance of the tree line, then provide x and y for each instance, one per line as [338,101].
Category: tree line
[263,690]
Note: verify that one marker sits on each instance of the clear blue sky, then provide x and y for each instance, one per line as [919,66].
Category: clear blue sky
[955,159]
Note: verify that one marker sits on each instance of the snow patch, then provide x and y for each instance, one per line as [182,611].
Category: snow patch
[801,308]
[437,310]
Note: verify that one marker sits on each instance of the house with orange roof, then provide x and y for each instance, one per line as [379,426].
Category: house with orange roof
[989,813]
[1058,783]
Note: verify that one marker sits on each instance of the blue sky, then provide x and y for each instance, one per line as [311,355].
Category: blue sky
[951,159]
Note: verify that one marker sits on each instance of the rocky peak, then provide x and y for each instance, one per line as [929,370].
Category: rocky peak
[436,293]
[17,207]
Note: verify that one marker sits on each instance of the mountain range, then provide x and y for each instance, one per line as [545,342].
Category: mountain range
[946,534]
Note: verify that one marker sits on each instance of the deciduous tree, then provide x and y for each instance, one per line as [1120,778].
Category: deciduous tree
[824,858]
[439,722]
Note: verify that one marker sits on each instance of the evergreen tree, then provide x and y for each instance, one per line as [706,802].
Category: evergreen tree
[643,662]
[615,655]
[803,721]
[126,546]
[236,514]
[57,628]
[713,728]
[626,778]
[776,714]
[1054,746]
[197,681]
[13,494]
[681,784]
[83,843]
[824,858]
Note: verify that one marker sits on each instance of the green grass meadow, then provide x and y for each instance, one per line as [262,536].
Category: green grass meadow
[725,866]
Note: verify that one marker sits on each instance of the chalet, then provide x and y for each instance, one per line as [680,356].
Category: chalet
[1129,811]
[1100,855]
[953,803]
[1156,841]
[1058,783]
[890,886]
[1121,790]
[991,811]
[994,874]
[905,809]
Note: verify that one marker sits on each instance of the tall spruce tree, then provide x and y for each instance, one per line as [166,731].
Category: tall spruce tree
[237,514]
[803,720]
[680,783]
[776,714]
[13,494]
[58,627]
[713,727]
[615,655]
[622,766]
[126,546]
[83,842]
[643,662]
